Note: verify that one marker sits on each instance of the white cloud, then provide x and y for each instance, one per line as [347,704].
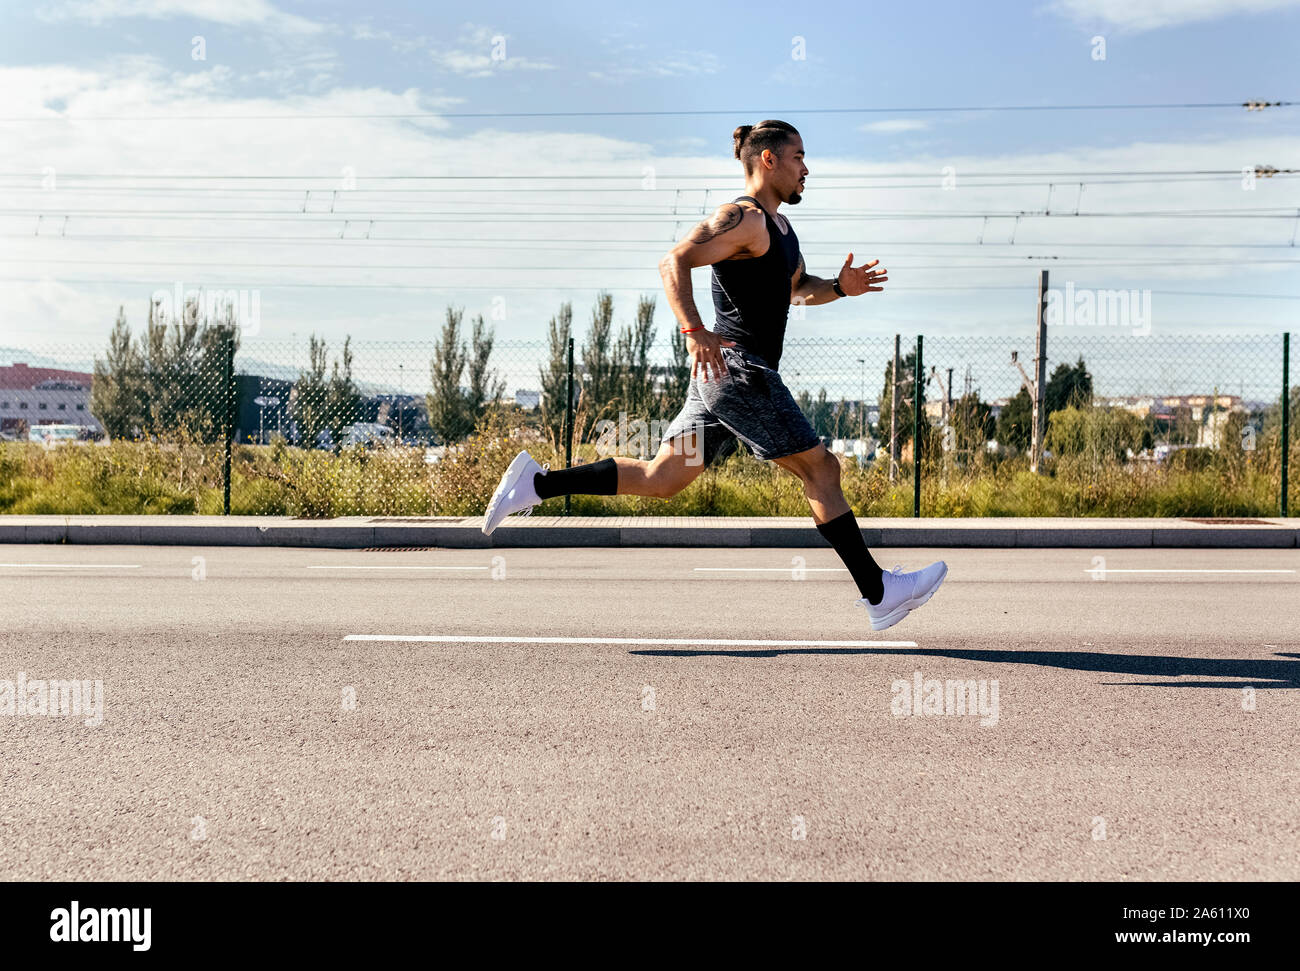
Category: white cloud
[892,126]
[482,52]
[232,13]
[1153,14]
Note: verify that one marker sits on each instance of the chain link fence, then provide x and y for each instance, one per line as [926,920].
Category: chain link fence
[385,415]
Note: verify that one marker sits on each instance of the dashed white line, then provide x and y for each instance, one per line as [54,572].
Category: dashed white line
[72,566]
[1106,569]
[770,569]
[667,641]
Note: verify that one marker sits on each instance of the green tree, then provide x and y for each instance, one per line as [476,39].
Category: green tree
[171,382]
[819,412]
[1068,386]
[1183,428]
[115,390]
[972,423]
[600,393]
[906,397]
[158,390]
[554,375]
[633,361]
[485,387]
[308,398]
[342,399]
[1016,422]
[321,403]
[1099,435]
[447,405]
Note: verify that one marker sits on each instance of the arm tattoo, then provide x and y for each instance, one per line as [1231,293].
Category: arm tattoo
[727,218]
[800,274]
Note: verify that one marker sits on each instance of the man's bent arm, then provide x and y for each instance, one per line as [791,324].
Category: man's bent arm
[730,230]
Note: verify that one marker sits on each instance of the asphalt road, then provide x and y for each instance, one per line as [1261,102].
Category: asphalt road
[245,736]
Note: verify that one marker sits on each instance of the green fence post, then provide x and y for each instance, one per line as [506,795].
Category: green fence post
[568,422]
[917,379]
[1286,417]
[228,430]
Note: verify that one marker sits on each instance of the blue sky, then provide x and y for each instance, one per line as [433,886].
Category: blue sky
[118,91]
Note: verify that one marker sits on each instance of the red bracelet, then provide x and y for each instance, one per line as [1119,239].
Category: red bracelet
[692,330]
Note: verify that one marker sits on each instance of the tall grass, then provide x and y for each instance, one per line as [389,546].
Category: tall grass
[141,477]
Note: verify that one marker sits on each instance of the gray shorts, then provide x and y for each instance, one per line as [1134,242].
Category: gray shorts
[751,403]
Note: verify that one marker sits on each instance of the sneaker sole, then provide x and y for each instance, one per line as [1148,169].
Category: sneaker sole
[905,608]
[508,481]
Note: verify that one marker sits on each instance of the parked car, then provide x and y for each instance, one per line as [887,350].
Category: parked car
[368,434]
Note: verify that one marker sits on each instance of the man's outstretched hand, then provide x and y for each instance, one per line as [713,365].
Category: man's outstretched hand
[856,280]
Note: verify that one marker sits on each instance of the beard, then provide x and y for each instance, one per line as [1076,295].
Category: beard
[794,198]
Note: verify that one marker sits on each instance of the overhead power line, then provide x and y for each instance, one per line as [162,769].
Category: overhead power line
[334,176]
[516,267]
[658,113]
[632,215]
[563,288]
[586,243]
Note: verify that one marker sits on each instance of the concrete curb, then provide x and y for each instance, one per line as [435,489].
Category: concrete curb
[466,533]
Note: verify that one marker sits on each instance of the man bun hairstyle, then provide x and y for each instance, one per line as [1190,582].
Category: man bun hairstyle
[751,141]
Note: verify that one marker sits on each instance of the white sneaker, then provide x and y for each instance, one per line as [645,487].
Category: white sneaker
[515,493]
[904,592]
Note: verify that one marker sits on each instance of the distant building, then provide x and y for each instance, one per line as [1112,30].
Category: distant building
[1165,407]
[1162,407]
[528,399]
[43,396]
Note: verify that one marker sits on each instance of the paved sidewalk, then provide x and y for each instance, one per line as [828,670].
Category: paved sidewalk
[359,532]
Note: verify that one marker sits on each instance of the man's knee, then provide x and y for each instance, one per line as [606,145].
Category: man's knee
[821,476]
[822,468]
[833,466]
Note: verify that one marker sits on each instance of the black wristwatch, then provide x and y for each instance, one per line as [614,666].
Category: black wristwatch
[835,285]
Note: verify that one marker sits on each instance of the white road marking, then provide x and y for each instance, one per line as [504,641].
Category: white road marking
[674,641]
[398,568]
[1106,569]
[770,569]
[72,566]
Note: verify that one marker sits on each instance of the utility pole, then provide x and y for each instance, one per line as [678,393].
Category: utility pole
[1040,375]
[945,388]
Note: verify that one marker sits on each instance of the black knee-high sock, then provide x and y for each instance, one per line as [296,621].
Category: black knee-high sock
[597,479]
[842,532]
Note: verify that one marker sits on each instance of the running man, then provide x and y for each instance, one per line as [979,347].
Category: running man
[735,391]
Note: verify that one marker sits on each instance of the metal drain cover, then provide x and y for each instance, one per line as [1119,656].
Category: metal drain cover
[1228,522]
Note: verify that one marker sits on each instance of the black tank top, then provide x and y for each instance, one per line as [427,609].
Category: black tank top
[751,298]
